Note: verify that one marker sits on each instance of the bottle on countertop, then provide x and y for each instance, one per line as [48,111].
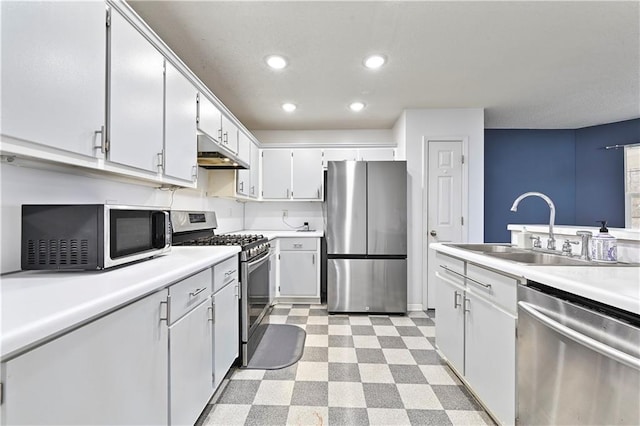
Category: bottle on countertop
[604,246]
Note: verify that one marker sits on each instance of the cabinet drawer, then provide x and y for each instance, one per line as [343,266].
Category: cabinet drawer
[496,288]
[451,268]
[289,244]
[225,272]
[189,293]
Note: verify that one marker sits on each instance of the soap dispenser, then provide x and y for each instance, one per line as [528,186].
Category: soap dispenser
[604,245]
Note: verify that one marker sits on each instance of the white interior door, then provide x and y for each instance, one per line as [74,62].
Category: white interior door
[444,204]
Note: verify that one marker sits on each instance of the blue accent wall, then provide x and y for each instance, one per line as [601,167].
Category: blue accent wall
[584,180]
[518,161]
[600,172]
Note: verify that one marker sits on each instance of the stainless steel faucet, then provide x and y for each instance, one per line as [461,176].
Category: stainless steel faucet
[551,243]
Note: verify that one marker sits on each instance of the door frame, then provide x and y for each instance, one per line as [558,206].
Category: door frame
[426,304]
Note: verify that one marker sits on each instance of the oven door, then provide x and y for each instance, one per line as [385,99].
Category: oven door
[255,293]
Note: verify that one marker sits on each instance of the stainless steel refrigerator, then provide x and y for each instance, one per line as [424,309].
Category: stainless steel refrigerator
[366,236]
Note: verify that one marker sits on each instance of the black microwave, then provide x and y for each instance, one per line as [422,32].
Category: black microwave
[91,236]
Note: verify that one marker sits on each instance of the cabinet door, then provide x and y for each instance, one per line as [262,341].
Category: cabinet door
[307,174]
[136,95]
[209,119]
[254,190]
[229,135]
[376,154]
[298,274]
[243,179]
[490,356]
[53,73]
[190,369]
[450,323]
[180,143]
[226,334]
[112,371]
[337,154]
[276,174]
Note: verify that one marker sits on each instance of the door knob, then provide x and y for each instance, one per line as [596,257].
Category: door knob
[433,233]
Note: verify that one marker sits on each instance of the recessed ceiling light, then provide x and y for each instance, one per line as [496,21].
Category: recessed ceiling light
[374,61]
[356,106]
[276,62]
[289,107]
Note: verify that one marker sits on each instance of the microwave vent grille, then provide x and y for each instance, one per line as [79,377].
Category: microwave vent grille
[58,252]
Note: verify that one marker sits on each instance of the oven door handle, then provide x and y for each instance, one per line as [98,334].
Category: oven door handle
[254,264]
[580,338]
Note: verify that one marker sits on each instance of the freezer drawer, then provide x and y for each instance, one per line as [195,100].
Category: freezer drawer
[367,285]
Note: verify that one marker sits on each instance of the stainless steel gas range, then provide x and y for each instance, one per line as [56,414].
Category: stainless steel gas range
[197,229]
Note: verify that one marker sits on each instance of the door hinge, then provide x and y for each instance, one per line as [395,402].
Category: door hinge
[262,154]
[108,18]
[462,158]
[1,393]
[461,220]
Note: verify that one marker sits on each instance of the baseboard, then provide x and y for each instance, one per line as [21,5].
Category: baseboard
[412,307]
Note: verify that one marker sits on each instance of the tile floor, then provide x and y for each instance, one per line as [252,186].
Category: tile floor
[355,370]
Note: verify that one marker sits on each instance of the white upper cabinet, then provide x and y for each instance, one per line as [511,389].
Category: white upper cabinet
[376,154]
[136,98]
[276,174]
[209,118]
[180,141]
[53,73]
[229,135]
[243,177]
[307,174]
[338,154]
[255,171]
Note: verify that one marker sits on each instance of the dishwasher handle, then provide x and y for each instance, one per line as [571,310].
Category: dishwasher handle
[580,338]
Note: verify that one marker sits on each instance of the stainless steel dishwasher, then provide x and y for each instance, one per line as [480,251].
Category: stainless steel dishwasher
[578,360]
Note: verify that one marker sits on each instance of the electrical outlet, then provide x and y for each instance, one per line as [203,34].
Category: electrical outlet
[285,213]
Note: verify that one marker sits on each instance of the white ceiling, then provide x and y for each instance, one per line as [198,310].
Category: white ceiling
[529,64]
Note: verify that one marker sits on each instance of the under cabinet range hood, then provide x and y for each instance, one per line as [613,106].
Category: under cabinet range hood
[211,155]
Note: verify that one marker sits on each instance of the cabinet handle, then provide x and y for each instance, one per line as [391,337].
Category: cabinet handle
[252,192]
[287,192]
[241,186]
[226,138]
[102,146]
[466,305]
[197,291]
[161,161]
[313,259]
[194,173]
[465,277]
[456,296]
[236,291]
[212,313]
[318,196]
[220,134]
[297,245]
[167,305]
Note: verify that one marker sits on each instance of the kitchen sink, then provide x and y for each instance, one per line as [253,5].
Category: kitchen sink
[530,257]
[488,248]
[534,258]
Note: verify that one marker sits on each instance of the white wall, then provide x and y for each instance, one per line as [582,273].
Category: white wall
[268,215]
[421,124]
[23,185]
[336,138]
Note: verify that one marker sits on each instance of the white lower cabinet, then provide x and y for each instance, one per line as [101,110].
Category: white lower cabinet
[226,332]
[476,331]
[450,323]
[112,371]
[490,342]
[190,372]
[299,268]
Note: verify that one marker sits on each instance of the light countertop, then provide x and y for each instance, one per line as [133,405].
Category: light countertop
[39,305]
[271,234]
[617,286]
